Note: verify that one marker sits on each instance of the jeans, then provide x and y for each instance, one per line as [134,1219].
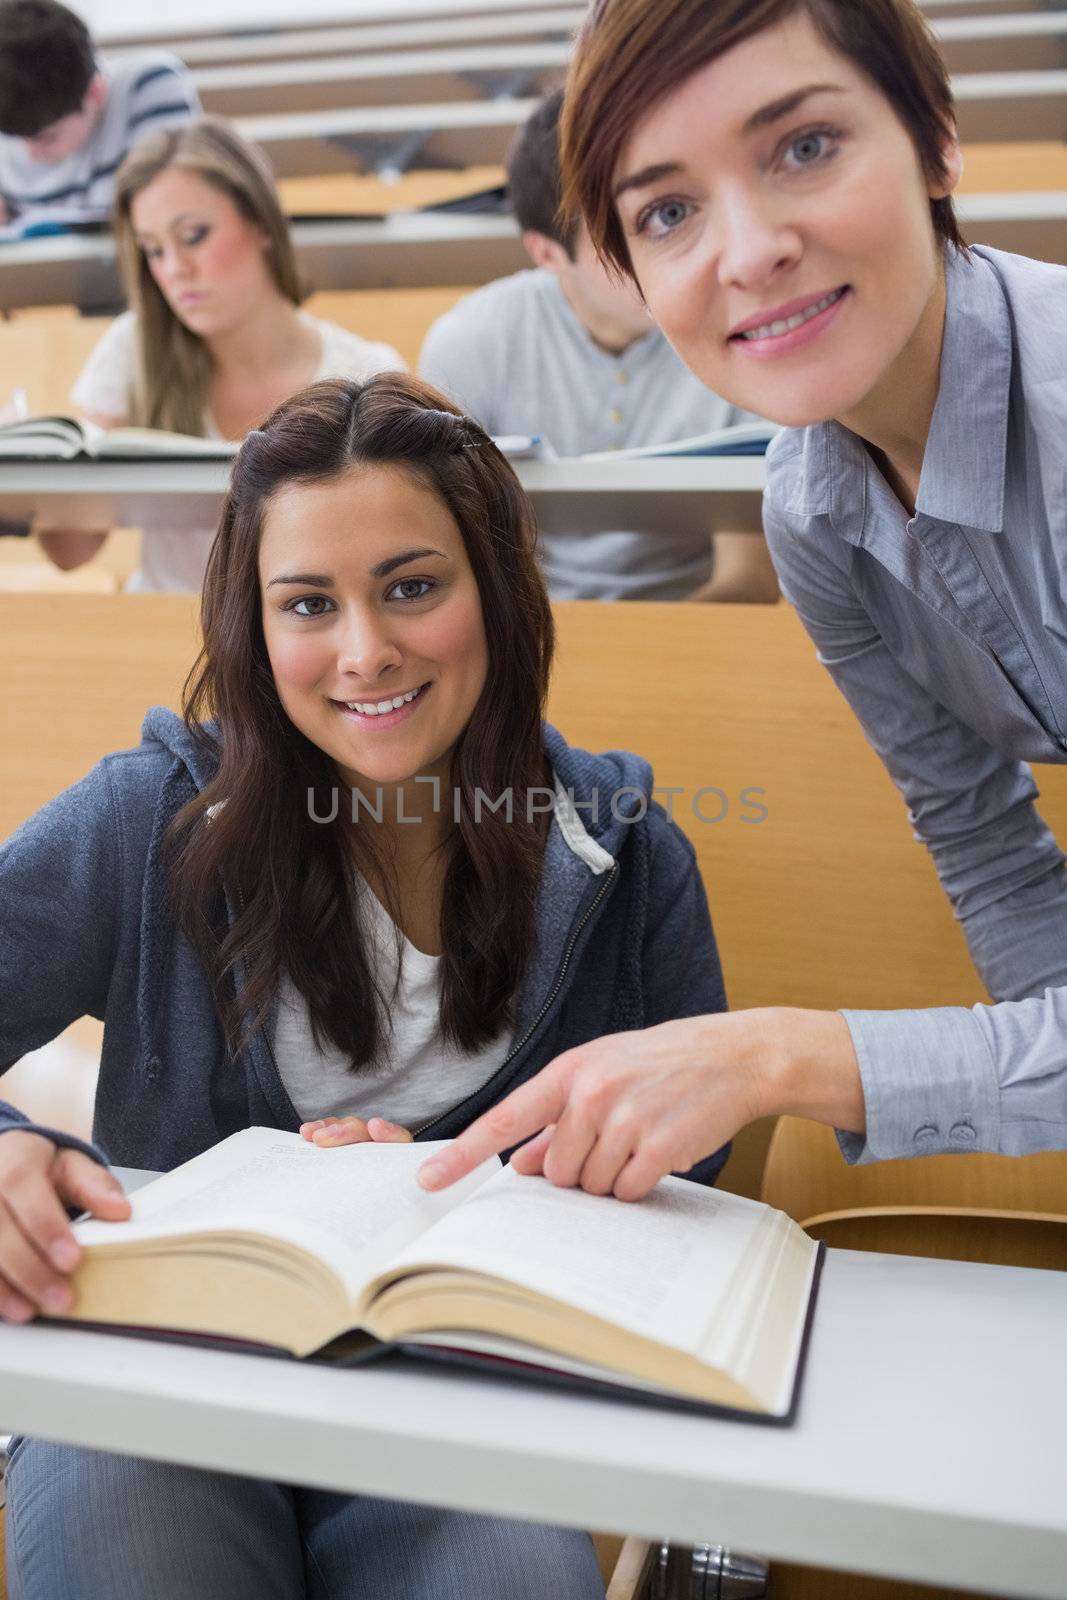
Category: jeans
[85,1525]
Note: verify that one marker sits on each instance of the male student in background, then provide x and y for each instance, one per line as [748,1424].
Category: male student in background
[568,353]
[68,117]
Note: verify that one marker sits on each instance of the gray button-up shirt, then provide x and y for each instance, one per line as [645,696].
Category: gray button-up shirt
[947,633]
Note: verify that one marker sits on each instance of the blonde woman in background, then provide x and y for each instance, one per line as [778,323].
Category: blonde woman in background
[214,338]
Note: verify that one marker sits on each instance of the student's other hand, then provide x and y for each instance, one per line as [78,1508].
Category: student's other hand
[329,1131]
[38,1250]
[618,1114]
[68,548]
[5,215]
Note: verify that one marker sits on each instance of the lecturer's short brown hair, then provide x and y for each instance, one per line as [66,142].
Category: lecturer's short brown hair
[631,54]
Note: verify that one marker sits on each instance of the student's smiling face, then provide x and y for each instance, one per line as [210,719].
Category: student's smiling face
[368,596]
[777,182]
[206,256]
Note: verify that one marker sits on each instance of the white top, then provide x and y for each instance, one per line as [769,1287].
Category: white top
[176,558]
[517,358]
[421,1077]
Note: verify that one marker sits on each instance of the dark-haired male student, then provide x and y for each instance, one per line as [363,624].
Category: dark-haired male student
[569,353]
[68,116]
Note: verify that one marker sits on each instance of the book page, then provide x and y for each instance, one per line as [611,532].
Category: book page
[658,1267]
[43,438]
[352,1206]
[151,443]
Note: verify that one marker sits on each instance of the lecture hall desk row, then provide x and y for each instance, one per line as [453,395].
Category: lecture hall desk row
[479,70]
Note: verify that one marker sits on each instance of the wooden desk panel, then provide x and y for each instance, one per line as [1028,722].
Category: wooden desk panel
[827,902]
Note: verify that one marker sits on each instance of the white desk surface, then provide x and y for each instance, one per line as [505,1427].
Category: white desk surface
[1027,41]
[685,492]
[411,249]
[1008,106]
[995,42]
[965,8]
[930,1443]
[114,23]
[386,78]
[174,22]
[990,106]
[289,46]
[450,133]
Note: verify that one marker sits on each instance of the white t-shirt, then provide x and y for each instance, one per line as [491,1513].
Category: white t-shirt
[421,1076]
[517,358]
[176,558]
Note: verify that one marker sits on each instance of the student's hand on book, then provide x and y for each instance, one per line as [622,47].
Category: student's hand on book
[329,1131]
[38,1251]
[618,1114]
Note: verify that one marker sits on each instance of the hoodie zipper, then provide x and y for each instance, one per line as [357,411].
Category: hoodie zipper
[561,974]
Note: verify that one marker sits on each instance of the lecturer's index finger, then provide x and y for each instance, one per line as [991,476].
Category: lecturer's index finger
[524,1112]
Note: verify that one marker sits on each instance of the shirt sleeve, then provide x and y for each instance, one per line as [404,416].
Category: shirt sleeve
[59,887]
[105,384]
[346,354]
[681,972]
[991,1077]
[162,93]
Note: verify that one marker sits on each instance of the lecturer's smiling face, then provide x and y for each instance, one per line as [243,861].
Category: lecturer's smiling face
[778,221]
[373,622]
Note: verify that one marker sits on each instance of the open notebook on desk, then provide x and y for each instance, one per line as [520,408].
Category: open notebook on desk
[57,438]
[692,1295]
[37,222]
[746,439]
[67,439]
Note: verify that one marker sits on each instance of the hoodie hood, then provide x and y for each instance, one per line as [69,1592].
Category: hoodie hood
[167,729]
[598,797]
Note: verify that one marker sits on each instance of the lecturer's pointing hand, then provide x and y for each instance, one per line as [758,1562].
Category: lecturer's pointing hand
[616,1115]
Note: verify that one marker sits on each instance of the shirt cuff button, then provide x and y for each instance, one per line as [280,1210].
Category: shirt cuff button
[927,1134]
[962,1133]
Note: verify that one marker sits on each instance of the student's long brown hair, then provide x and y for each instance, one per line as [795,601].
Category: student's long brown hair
[170,386]
[288,881]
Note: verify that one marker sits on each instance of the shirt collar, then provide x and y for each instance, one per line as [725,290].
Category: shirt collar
[963,471]
[964,467]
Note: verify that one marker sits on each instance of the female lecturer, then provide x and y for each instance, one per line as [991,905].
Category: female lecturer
[776,177]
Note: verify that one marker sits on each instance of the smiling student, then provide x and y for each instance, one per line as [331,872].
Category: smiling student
[776,175]
[376,886]
[214,338]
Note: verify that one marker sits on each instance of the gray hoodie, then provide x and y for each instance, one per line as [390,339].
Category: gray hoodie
[623,940]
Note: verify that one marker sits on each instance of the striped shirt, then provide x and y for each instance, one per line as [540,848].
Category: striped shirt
[146,89]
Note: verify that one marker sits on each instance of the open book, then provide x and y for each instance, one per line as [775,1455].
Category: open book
[690,1294]
[744,439]
[38,222]
[67,439]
